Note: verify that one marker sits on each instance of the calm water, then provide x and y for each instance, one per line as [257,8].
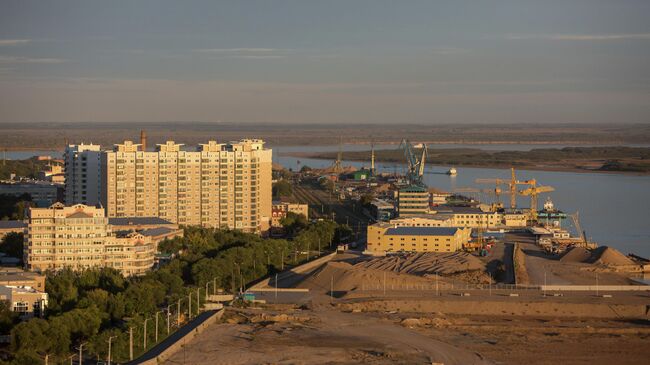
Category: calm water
[614,209]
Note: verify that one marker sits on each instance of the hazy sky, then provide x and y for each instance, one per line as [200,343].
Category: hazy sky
[342,61]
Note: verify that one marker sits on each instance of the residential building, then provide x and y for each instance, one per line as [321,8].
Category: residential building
[412,200]
[20,277]
[83,179]
[52,173]
[386,237]
[7,227]
[79,237]
[280,209]
[216,185]
[25,300]
[42,193]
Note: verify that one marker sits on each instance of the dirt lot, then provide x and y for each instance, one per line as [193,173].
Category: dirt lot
[411,322]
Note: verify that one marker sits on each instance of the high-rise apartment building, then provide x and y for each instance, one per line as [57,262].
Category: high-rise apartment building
[82,174]
[215,185]
[78,237]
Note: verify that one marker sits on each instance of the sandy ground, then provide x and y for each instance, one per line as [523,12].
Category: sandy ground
[327,336]
[543,268]
[382,316]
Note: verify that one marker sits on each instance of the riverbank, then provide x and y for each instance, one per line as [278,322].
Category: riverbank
[628,160]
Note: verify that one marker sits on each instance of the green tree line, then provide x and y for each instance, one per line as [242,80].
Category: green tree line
[92,305]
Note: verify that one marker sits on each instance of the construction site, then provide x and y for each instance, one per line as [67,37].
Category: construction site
[526,285]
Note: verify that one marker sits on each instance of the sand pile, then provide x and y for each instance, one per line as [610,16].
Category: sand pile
[576,254]
[347,277]
[610,257]
[427,263]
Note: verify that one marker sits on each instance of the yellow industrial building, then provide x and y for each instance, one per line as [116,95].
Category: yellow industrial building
[386,237]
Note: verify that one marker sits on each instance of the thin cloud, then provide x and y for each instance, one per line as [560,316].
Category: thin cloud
[13,42]
[13,59]
[235,50]
[580,37]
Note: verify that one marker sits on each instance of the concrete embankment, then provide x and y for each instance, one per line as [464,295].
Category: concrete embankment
[176,341]
[519,264]
[504,308]
[294,272]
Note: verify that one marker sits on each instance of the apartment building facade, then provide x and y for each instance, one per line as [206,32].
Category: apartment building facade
[216,185]
[82,173]
[80,237]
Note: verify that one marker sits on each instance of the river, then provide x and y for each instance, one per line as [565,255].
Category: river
[614,208]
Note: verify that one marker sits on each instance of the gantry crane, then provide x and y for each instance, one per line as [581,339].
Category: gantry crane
[415,164]
[533,191]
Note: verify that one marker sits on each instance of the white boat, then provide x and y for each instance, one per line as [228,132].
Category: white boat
[452,171]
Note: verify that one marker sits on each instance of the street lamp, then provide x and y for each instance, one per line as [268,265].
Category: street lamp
[110,339]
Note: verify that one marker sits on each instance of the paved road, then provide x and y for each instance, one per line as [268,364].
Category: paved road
[538,263]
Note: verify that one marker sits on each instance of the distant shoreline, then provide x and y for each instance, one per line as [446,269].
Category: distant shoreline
[590,166]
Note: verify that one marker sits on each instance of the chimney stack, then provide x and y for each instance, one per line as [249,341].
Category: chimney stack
[143,140]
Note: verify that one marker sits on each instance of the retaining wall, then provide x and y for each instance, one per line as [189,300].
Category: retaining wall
[178,344]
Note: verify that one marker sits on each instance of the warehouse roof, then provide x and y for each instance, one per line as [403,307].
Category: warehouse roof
[135,221]
[421,231]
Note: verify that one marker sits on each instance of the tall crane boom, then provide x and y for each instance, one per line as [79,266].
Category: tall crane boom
[533,191]
[415,165]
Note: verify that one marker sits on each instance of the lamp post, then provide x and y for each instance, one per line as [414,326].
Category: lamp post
[144,338]
[108,359]
[81,347]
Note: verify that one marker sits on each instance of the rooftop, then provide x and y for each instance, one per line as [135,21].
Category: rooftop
[135,221]
[12,224]
[413,189]
[156,231]
[421,231]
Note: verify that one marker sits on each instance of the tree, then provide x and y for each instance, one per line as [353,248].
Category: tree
[12,245]
[293,222]
[7,317]
[282,188]
[366,199]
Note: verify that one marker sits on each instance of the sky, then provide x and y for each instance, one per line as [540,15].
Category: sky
[334,61]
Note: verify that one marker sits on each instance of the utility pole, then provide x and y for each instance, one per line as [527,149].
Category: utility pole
[110,339]
[130,344]
[189,306]
[47,358]
[144,338]
[71,357]
[156,327]
[169,313]
[81,346]
[178,313]
[198,301]
[206,290]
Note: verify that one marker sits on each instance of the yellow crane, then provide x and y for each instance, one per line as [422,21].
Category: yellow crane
[533,191]
[510,183]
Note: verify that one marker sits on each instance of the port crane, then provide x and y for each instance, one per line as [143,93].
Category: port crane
[511,184]
[533,191]
[576,222]
[415,163]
